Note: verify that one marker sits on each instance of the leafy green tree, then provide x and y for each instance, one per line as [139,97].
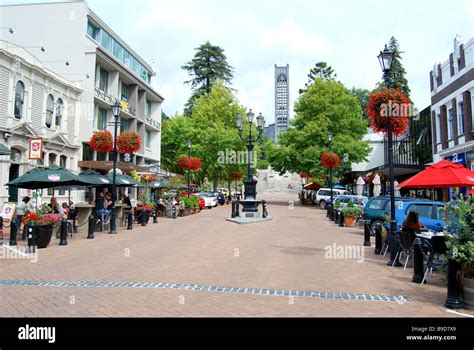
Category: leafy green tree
[362,96]
[320,70]
[208,66]
[325,105]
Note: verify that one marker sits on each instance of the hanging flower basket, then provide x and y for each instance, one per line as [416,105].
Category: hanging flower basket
[102,141]
[184,162]
[129,142]
[304,175]
[195,163]
[330,160]
[148,178]
[388,107]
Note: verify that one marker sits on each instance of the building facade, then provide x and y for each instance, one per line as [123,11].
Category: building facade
[36,103]
[82,48]
[452,100]
[282,99]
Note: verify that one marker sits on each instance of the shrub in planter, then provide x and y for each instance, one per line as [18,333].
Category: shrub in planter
[461,243]
[351,214]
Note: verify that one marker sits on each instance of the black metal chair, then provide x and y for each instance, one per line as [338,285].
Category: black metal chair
[435,248]
[405,247]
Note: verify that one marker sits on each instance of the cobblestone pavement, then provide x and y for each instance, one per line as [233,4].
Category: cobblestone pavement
[202,265]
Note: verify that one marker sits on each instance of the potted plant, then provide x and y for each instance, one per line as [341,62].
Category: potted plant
[43,224]
[351,214]
[460,244]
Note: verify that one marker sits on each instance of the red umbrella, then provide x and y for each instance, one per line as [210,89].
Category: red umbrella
[470,192]
[312,186]
[443,174]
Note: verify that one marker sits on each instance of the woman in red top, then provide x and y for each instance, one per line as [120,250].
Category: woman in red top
[412,224]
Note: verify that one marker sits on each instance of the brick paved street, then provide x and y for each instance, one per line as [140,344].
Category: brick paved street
[179,265]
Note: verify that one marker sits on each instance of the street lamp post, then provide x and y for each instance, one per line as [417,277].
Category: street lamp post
[331,212]
[189,155]
[250,184]
[116,109]
[386,59]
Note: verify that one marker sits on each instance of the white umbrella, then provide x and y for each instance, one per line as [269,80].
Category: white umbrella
[377,185]
[360,186]
[397,190]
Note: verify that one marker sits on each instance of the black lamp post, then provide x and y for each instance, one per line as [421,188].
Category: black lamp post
[331,213]
[116,109]
[189,155]
[386,59]
[249,183]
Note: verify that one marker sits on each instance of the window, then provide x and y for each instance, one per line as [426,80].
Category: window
[15,155]
[101,156]
[438,128]
[124,91]
[424,210]
[123,124]
[87,152]
[19,99]
[118,51]
[93,31]
[63,162]
[450,124]
[101,118]
[126,58]
[103,79]
[59,112]
[52,159]
[49,110]
[136,66]
[377,204]
[460,118]
[147,138]
[148,109]
[107,42]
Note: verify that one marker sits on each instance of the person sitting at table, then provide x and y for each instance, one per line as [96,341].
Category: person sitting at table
[101,206]
[127,201]
[412,224]
[55,207]
[66,210]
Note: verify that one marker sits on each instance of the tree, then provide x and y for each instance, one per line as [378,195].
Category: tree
[208,66]
[325,105]
[362,96]
[320,70]
[397,72]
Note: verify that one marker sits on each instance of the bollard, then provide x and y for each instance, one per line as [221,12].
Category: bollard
[327,211]
[130,220]
[31,235]
[237,210]
[1,227]
[341,219]
[155,216]
[91,227]
[63,240]
[367,235]
[233,209]
[417,261]
[335,214]
[378,238]
[74,225]
[13,232]
[144,217]
[454,300]
[173,212]
[264,209]
[393,250]
[331,213]
[99,220]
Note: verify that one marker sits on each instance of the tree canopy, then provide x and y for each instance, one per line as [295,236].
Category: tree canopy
[320,70]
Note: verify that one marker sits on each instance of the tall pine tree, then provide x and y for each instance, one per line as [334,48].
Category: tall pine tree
[320,70]
[208,66]
[397,73]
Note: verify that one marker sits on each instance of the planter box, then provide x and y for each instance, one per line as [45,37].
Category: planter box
[350,221]
[468,293]
[43,235]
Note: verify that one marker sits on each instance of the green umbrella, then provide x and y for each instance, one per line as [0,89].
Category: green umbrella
[94,179]
[160,183]
[124,181]
[50,177]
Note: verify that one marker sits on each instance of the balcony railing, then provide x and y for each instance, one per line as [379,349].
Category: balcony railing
[150,121]
[112,100]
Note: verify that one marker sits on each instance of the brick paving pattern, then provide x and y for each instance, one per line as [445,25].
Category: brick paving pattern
[201,265]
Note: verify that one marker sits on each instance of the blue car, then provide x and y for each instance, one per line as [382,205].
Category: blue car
[431,214]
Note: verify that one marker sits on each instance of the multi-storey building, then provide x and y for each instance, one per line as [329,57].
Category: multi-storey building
[452,94]
[80,46]
[35,103]
[282,99]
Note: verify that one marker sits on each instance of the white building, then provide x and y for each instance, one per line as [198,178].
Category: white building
[36,103]
[452,101]
[81,47]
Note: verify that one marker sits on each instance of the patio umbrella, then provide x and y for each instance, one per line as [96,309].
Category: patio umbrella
[470,192]
[123,181]
[443,174]
[93,178]
[360,186]
[160,183]
[377,185]
[312,186]
[397,189]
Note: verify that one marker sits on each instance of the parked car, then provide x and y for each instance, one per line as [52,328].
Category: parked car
[324,195]
[344,199]
[202,202]
[431,213]
[220,197]
[209,200]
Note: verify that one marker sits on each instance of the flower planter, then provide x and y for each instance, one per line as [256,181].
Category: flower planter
[43,235]
[350,221]
[468,293]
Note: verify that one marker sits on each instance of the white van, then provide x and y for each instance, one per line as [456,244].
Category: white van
[324,195]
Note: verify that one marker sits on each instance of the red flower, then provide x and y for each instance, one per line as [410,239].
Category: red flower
[388,107]
[330,160]
[184,162]
[195,163]
[129,142]
[102,141]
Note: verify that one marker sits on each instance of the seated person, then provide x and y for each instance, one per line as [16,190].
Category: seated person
[412,225]
[101,206]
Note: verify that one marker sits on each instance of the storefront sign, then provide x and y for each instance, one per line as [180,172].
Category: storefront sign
[8,211]
[35,151]
[459,158]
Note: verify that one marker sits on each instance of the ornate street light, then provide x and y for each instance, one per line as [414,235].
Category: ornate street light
[116,109]
[189,155]
[386,59]
[331,213]
[250,204]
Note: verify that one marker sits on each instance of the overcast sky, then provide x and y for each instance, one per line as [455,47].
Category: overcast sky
[257,34]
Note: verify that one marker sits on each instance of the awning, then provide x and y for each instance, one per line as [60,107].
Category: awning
[312,186]
[4,150]
[107,165]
